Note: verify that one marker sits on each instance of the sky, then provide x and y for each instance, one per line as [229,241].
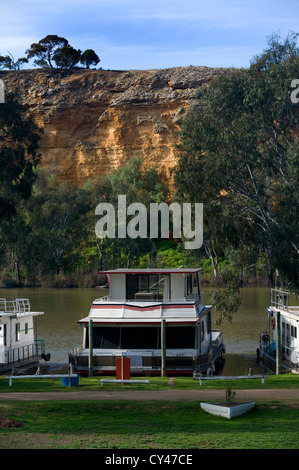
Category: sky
[151,34]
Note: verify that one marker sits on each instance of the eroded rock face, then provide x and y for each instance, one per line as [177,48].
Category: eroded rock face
[95,120]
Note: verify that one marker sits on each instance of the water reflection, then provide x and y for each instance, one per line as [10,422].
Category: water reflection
[64,307]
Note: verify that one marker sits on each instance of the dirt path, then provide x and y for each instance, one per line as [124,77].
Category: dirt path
[261,395]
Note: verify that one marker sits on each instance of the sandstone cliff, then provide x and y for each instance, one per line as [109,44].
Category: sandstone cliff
[95,120]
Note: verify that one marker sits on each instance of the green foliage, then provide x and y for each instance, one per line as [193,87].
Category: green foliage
[18,154]
[51,238]
[229,395]
[66,57]
[89,57]
[55,49]
[8,62]
[45,49]
[239,156]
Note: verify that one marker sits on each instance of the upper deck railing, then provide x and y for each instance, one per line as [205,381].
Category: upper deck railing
[280,299]
[18,306]
[143,297]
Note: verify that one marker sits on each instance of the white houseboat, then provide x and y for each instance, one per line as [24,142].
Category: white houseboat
[154,317]
[19,347]
[279,344]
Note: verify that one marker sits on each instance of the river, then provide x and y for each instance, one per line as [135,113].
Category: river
[64,307]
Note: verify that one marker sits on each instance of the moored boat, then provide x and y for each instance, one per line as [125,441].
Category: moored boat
[19,346]
[157,319]
[279,344]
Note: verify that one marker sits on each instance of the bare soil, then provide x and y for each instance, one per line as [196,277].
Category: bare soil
[261,395]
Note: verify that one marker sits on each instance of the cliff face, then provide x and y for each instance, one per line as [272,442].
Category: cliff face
[95,120]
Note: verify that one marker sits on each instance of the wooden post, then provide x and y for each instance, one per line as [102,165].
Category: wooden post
[90,368]
[163,349]
[278,344]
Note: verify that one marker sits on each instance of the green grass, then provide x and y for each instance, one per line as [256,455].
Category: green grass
[70,424]
[156,383]
[147,425]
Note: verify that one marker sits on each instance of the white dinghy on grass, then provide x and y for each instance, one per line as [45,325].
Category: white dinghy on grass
[227,410]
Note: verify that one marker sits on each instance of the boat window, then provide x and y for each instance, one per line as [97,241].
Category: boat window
[283,333]
[141,338]
[189,284]
[180,337]
[145,287]
[26,328]
[129,337]
[293,331]
[17,331]
[192,290]
[209,325]
[202,324]
[125,337]
[108,338]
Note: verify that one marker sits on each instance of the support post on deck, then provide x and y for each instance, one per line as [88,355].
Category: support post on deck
[278,344]
[90,342]
[163,348]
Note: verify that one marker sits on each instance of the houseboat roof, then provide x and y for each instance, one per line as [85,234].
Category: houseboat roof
[152,271]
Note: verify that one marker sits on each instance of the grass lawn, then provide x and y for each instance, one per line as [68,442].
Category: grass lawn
[144,425]
[147,425]
[156,383]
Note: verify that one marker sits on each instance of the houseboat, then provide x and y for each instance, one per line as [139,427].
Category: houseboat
[155,317]
[279,344]
[19,346]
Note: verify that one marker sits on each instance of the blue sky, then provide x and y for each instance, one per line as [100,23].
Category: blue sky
[147,34]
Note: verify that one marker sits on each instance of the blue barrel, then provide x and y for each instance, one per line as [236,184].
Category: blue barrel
[72,381]
[75,381]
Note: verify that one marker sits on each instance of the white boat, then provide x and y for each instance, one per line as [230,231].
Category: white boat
[279,344]
[155,317]
[19,346]
[231,410]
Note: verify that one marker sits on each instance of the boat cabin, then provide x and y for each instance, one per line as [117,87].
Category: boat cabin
[146,312]
[18,345]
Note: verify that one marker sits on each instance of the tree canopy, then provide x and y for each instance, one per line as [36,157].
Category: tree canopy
[45,50]
[18,153]
[55,52]
[89,57]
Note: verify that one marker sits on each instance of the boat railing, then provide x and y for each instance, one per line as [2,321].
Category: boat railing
[280,299]
[15,306]
[143,297]
[22,353]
